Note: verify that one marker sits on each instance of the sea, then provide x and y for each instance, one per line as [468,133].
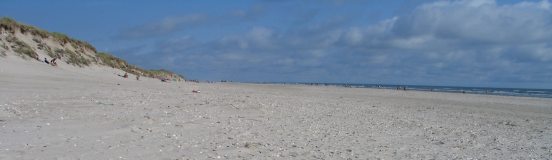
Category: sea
[519,92]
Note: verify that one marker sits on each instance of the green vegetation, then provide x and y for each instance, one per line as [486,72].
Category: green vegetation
[112,61]
[161,73]
[3,52]
[64,39]
[37,40]
[76,59]
[5,46]
[57,53]
[51,54]
[72,57]
[74,46]
[76,55]
[24,49]
[11,25]
[11,38]
[43,46]
[60,37]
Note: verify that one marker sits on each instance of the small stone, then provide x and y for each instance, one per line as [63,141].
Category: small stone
[293,154]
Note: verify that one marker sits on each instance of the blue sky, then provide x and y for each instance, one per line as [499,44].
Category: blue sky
[462,42]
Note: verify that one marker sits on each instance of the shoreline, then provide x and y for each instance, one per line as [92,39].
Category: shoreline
[390,89]
[441,89]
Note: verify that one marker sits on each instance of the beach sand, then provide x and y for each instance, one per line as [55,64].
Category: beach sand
[75,113]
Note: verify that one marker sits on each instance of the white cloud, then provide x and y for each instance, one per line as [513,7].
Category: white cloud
[261,36]
[474,25]
[480,21]
[354,36]
[166,25]
[478,41]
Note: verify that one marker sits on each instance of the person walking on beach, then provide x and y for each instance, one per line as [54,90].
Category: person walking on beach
[46,61]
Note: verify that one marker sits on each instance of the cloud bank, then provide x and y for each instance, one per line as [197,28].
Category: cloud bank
[463,42]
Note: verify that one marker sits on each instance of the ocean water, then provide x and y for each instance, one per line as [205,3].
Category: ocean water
[520,92]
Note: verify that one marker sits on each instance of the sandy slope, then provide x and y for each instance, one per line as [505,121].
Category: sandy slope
[69,113]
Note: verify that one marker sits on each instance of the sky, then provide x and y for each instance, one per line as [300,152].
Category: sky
[483,43]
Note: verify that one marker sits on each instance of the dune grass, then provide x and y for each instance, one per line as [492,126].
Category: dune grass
[115,62]
[5,48]
[22,48]
[11,25]
[72,57]
[76,57]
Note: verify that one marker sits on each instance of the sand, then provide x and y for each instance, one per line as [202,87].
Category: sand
[74,113]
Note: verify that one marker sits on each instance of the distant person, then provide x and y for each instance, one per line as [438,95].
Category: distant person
[53,62]
[46,61]
[137,77]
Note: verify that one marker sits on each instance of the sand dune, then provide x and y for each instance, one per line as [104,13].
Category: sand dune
[90,113]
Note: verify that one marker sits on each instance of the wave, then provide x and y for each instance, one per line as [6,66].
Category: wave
[519,92]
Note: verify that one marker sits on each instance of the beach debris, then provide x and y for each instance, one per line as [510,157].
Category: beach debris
[293,154]
[106,104]
[196,91]
[508,123]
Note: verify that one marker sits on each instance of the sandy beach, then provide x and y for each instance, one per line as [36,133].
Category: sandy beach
[90,113]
